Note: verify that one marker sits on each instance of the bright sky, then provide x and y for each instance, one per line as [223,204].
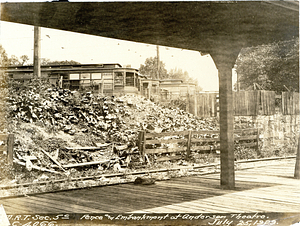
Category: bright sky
[17,39]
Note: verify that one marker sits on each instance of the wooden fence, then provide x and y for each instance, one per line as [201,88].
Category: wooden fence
[6,146]
[188,141]
[206,104]
[247,103]
[290,103]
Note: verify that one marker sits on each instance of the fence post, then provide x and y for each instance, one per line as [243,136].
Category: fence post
[257,141]
[187,107]
[196,104]
[188,149]
[10,148]
[144,142]
[140,142]
[297,166]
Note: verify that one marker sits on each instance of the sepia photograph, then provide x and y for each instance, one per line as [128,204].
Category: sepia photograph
[149,113]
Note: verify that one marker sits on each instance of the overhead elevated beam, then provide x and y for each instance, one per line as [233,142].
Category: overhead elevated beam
[202,26]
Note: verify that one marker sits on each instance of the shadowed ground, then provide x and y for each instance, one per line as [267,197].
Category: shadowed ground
[268,188]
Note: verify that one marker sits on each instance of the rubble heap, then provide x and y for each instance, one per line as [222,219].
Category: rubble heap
[58,121]
[113,118]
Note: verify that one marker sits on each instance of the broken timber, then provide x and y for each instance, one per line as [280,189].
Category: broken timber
[85,164]
[54,160]
[36,167]
[88,148]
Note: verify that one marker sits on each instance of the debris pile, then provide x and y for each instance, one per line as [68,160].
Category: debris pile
[58,129]
[111,118]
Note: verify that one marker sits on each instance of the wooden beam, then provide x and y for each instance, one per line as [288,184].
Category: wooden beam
[169,141]
[84,164]
[164,150]
[102,146]
[36,167]
[54,160]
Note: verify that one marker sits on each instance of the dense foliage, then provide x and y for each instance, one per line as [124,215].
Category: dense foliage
[272,67]
[150,68]
[16,61]
[178,73]
[3,57]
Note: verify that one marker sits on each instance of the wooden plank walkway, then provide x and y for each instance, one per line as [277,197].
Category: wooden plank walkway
[268,188]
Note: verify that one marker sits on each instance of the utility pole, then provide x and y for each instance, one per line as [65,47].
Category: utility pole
[37,52]
[157,57]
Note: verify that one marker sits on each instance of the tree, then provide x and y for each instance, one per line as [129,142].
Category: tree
[24,59]
[14,61]
[178,73]
[150,68]
[8,61]
[46,61]
[271,66]
[3,57]
[11,61]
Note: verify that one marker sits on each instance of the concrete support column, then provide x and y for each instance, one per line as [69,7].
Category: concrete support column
[226,127]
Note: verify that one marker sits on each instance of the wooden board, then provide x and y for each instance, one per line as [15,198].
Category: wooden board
[165,134]
[192,143]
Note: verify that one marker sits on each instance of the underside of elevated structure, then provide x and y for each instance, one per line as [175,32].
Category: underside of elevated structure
[219,28]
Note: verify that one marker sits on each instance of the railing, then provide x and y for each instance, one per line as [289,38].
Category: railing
[188,141]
